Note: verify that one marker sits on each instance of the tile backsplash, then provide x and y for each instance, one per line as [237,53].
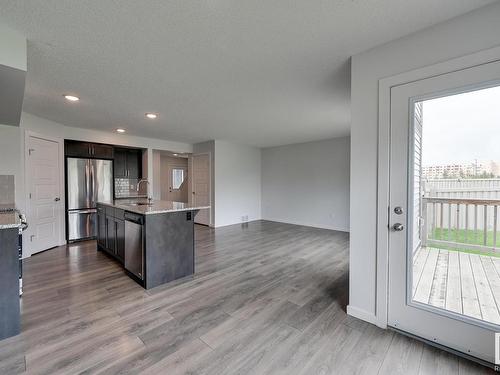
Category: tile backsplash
[7,190]
[127,187]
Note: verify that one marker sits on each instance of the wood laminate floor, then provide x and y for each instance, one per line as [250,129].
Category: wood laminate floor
[268,298]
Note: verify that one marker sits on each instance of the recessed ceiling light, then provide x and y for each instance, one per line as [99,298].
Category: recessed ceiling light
[71,98]
[120,130]
[152,116]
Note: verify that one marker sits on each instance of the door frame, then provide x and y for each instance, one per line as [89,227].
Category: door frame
[27,181]
[190,172]
[383,162]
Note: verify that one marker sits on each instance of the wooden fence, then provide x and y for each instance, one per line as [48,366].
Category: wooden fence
[460,223]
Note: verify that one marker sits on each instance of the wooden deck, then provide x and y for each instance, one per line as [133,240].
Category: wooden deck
[468,284]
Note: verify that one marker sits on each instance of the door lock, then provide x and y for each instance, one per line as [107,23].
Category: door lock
[398,210]
[398,227]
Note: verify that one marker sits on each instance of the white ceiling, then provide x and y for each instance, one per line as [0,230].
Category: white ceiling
[258,72]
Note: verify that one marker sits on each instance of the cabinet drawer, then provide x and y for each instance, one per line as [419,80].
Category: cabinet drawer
[110,211]
[119,214]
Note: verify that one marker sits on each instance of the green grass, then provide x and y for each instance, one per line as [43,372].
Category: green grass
[465,237]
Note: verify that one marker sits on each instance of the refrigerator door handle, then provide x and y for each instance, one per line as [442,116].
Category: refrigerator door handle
[87,182]
[92,184]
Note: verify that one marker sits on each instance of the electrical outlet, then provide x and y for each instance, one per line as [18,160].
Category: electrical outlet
[244,218]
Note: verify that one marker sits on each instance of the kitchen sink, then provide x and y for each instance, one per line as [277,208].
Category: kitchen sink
[140,204]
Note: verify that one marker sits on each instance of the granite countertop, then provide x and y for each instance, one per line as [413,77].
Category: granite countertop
[9,220]
[154,207]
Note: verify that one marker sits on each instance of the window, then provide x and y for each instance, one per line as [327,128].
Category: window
[177,178]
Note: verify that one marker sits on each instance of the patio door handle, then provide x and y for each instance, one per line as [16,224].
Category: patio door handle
[398,227]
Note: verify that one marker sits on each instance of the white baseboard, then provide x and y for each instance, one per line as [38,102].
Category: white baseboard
[235,223]
[306,224]
[362,314]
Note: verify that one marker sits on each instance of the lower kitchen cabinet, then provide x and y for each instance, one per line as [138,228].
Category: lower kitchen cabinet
[101,227]
[120,239]
[111,232]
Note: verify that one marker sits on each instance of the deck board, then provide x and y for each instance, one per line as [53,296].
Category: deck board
[487,303]
[425,284]
[438,291]
[454,285]
[493,278]
[418,266]
[470,301]
[459,282]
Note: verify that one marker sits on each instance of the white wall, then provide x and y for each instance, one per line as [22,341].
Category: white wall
[463,35]
[237,183]
[307,184]
[11,159]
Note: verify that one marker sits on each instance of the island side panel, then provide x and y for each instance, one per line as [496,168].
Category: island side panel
[10,318]
[169,247]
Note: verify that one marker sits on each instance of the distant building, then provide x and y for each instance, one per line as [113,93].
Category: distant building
[474,169]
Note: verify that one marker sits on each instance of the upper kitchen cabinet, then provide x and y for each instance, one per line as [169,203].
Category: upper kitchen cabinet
[128,163]
[88,150]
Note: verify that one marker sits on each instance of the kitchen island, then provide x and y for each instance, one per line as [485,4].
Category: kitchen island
[153,240]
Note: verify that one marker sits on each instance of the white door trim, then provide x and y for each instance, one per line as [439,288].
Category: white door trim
[27,249]
[210,216]
[384,106]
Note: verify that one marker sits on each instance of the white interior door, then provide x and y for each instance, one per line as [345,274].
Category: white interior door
[415,312]
[44,195]
[201,187]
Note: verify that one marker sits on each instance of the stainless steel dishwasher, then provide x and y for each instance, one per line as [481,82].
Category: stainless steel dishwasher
[134,244]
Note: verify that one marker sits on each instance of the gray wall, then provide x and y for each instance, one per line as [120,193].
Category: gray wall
[463,35]
[307,184]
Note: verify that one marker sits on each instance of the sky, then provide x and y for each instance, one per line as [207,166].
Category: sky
[461,128]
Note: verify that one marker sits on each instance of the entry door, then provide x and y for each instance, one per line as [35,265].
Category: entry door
[438,315]
[177,188]
[45,205]
[201,187]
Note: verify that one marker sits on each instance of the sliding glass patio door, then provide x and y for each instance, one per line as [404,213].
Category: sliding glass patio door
[444,242]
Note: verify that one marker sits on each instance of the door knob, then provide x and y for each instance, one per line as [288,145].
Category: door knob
[57,199]
[398,227]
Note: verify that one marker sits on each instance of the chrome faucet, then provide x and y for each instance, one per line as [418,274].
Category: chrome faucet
[139,184]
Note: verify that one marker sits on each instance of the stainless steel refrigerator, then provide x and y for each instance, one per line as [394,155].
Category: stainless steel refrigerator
[88,181]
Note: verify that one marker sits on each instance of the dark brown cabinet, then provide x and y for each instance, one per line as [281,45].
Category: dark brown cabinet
[101,226]
[120,239]
[88,150]
[110,234]
[102,151]
[111,231]
[128,163]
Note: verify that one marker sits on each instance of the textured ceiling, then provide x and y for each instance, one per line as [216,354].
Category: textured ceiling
[258,72]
